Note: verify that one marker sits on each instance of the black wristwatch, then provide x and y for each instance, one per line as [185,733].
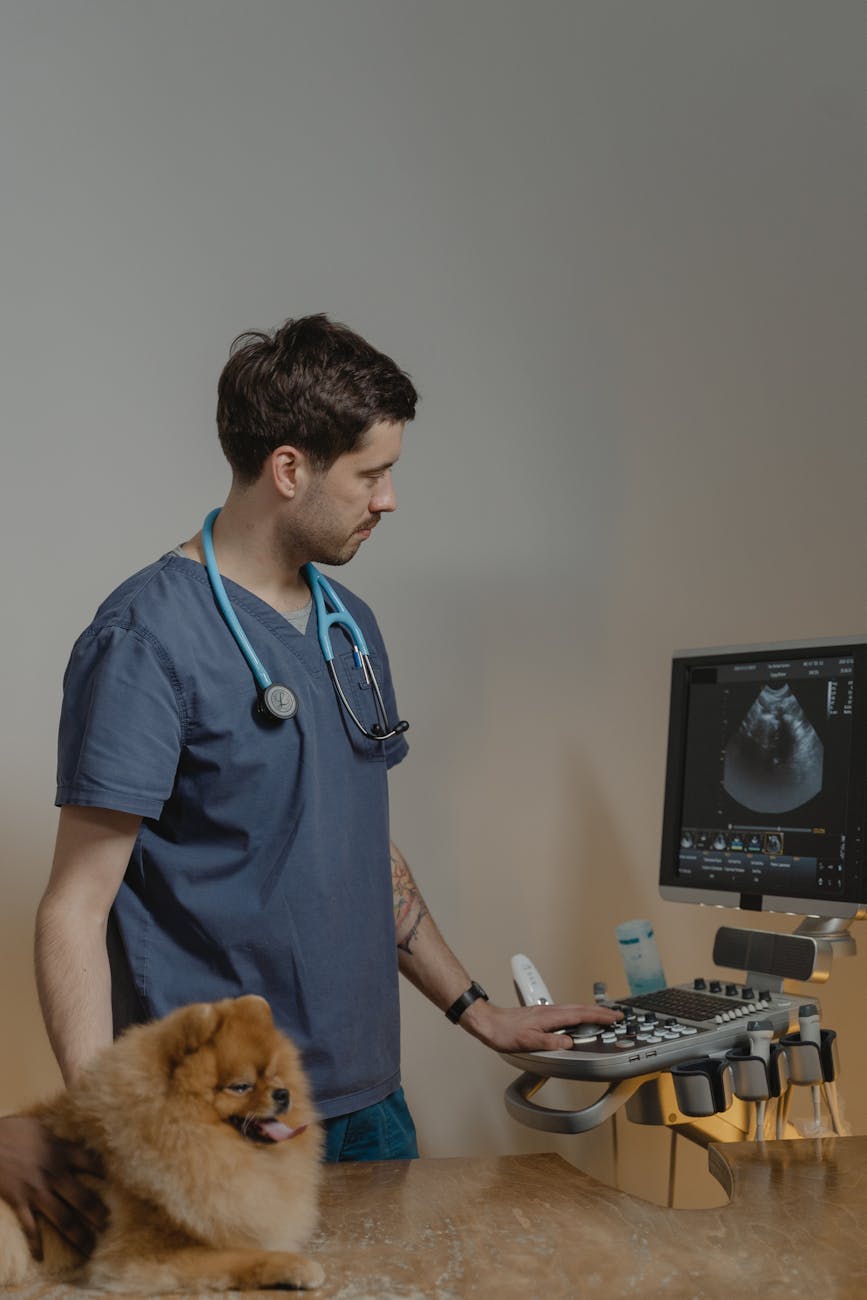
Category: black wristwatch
[457,1009]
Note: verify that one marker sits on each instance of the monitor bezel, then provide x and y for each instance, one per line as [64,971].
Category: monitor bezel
[682,662]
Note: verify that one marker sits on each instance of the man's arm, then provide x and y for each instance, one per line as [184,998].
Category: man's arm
[429,963]
[72,974]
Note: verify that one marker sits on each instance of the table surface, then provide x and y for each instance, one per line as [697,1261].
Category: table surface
[534,1226]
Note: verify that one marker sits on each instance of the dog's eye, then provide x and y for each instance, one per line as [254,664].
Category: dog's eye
[239,1087]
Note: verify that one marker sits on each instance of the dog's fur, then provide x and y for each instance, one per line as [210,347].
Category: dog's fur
[207,1187]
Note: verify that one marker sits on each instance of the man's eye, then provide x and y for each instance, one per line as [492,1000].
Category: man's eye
[239,1087]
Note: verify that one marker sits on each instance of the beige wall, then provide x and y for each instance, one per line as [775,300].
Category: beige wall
[620,248]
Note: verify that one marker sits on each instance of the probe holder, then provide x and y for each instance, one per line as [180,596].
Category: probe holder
[753,1078]
[702,1086]
[749,1075]
[812,1063]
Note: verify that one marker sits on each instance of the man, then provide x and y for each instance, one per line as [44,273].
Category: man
[206,848]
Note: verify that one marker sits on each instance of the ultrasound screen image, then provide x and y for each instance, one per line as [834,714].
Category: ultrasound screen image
[766,777]
[765,751]
[762,796]
[775,760]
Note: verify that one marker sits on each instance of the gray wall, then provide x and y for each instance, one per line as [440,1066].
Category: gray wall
[620,248]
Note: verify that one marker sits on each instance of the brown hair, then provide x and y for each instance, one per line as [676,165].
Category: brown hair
[313,383]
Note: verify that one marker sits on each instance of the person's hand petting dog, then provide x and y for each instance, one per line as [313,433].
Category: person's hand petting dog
[39,1177]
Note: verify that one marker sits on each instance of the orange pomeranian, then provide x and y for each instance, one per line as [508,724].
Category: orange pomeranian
[211,1148]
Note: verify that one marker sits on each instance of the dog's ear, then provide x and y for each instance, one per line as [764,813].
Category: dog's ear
[253,1009]
[189,1028]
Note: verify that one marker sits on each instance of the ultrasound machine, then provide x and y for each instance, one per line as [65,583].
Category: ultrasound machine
[764,810]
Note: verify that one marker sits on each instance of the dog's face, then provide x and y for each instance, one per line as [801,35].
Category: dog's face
[228,1061]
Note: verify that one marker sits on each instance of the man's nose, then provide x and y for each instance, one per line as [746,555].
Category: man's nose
[384,498]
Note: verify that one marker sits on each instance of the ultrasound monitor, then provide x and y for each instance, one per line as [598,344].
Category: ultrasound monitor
[766,784]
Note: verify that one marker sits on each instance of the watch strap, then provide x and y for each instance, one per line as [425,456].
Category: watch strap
[459,1006]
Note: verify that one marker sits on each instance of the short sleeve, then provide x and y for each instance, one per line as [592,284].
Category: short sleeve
[121,724]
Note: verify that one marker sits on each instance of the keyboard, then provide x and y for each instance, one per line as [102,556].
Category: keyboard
[660,1029]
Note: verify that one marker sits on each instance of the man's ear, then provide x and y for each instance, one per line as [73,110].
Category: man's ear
[283,466]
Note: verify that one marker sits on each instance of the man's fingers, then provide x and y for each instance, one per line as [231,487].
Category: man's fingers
[68,1222]
[72,1199]
[556,1043]
[563,1018]
[82,1201]
[30,1228]
[68,1186]
[83,1160]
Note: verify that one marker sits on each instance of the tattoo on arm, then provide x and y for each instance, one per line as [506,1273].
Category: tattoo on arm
[410,908]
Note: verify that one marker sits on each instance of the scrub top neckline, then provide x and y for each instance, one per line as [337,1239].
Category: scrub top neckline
[303,645]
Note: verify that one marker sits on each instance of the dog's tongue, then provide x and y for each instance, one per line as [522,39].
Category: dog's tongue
[277,1132]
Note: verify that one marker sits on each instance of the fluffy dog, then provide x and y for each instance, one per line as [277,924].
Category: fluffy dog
[207,1185]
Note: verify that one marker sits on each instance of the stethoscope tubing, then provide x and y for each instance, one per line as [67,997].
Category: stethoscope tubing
[263,678]
[320,589]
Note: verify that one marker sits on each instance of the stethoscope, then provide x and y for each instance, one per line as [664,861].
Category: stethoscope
[275,699]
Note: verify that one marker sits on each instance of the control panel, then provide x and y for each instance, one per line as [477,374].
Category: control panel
[660,1029]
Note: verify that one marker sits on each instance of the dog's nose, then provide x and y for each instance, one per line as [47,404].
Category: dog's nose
[281,1098]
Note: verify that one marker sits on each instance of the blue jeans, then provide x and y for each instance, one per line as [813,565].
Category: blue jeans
[381,1132]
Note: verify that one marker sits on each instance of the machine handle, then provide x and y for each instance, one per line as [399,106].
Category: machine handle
[549,1120]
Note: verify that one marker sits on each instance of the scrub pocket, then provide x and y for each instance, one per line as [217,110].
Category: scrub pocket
[361,698]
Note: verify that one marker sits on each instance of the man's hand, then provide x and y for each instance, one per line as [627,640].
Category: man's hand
[38,1175]
[530,1029]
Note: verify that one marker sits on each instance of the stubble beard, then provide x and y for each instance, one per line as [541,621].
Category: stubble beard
[315,543]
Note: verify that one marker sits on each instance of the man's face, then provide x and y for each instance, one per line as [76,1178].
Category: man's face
[341,505]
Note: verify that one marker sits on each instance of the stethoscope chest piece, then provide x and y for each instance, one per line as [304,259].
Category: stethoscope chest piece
[277,701]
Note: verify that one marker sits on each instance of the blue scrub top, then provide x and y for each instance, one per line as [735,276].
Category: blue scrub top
[262,864]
